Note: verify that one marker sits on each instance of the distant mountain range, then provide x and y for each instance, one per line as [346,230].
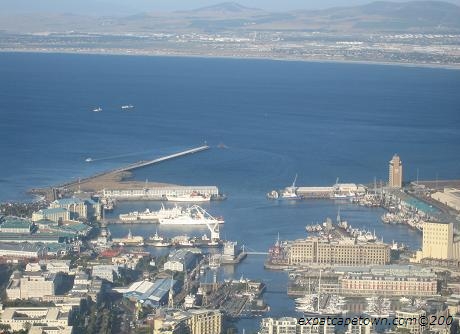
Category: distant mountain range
[380,16]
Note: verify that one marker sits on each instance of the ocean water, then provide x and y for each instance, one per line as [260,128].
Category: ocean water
[277,119]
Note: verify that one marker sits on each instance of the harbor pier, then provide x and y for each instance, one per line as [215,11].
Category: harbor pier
[111,179]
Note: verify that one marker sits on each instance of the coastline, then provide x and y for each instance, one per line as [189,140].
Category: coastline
[239,57]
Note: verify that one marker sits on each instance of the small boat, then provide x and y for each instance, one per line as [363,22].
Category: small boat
[88,159]
[273,195]
[290,193]
[98,109]
[158,241]
[127,107]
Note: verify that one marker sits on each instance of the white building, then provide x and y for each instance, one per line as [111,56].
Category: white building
[289,325]
[32,285]
[159,192]
[58,266]
[18,317]
[412,324]
[54,214]
[22,250]
[180,260]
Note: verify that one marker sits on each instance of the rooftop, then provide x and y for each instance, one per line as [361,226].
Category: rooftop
[52,211]
[69,201]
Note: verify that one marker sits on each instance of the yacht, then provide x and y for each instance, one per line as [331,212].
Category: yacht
[98,109]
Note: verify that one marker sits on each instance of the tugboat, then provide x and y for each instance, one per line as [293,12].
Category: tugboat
[290,192]
[158,241]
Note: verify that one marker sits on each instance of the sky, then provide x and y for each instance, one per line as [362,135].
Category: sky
[127,7]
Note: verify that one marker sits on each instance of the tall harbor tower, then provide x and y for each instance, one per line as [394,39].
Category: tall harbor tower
[395,172]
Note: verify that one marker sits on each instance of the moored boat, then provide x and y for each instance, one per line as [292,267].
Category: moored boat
[194,215]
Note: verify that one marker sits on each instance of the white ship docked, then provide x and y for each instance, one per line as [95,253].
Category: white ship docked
[152,215]
[194,215]
[192,197]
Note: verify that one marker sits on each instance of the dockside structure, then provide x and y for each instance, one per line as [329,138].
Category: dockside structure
[157,193]
[349,252]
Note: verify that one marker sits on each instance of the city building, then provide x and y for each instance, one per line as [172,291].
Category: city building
[412,325]
[395,177]
[181,260]
[390,281]
[22,250]
[159,192]
[351,252]
[107,272]
[449,197]
[203,321]
[55,214]
[16,225]
[150,293]
[359,329]
[289,325]
[32,285]
[18,317]
[79,208]
[200,321]
[438,242]
[57,266]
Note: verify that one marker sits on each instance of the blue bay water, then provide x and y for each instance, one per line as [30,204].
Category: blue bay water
[319,120]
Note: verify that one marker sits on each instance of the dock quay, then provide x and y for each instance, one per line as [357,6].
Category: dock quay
[158,192]
[143,163]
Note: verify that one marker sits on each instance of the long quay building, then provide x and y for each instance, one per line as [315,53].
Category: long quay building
[158,193]
[394,280]
[348,252]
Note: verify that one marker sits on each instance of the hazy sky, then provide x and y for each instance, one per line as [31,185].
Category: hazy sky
[125,7]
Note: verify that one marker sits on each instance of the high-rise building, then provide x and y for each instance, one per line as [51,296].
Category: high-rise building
[395,172]
[438,241]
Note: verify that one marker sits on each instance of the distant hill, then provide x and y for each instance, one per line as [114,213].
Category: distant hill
[380,16]
[385,15]
[226,7]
